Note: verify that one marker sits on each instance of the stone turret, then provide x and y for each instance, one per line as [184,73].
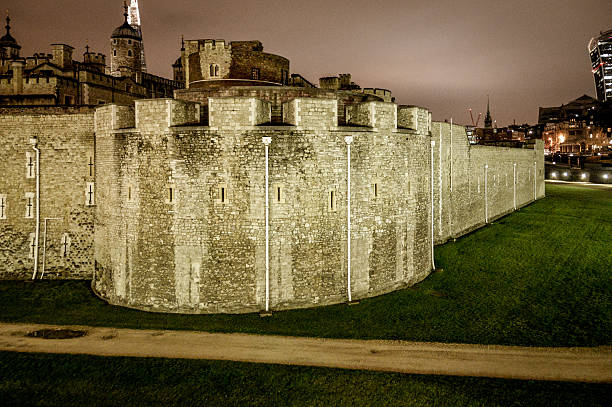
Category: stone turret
[9,49]
[62,55]
[126,50]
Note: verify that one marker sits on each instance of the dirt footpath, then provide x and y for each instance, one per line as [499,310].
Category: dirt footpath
[512,362]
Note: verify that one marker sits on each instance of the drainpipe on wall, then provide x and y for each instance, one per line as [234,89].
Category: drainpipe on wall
[535,180]
[348,140]
[433,265]
[440,183]
[514,185]
[486,168]
[34,143]
[267,141]
[450,209]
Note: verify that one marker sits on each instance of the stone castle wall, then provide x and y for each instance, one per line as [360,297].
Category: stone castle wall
[66,141]
[180,207]
[190,232]
[475,184]
[204,249]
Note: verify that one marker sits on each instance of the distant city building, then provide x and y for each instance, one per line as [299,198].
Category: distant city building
[584,125]
[600,50]
[514,135]
[52,79]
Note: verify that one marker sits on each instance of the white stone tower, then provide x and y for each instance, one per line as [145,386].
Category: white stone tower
[134,21]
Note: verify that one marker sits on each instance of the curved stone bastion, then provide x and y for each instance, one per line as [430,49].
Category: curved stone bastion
[241,216]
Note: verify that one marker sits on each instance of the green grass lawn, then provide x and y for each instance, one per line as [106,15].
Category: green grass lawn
[540,277]
[79,380]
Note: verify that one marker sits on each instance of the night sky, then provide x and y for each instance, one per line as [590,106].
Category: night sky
[446,55]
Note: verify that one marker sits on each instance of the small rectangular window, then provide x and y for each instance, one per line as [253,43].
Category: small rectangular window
[278,193]
[91,164]
[129,193]
[375,191]
[65,246]
[255,74]
[90,194]
[29,209]
[32,245]
[3,206]
[170,194]
[222,194]
[331,200]
[30,164]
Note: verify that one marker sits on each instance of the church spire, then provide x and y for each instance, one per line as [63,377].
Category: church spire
[488,122]
[8,23]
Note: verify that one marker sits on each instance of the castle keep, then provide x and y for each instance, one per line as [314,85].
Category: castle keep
[250,189]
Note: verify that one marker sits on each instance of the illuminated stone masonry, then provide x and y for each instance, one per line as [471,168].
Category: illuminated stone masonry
[181,207]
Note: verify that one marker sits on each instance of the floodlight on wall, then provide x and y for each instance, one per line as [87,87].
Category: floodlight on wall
[565,174]
[605,176]
[554,175]
[583,176]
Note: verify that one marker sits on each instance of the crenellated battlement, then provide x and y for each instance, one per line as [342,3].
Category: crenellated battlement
[378,115]
[237,112]
[147,115]
[414,118]
[113,117]
[216,44]
[312,113]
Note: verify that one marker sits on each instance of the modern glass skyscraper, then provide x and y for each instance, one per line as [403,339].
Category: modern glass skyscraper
[600,49]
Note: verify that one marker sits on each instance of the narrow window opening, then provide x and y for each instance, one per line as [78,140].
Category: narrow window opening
[30,165]
[332,201]
[2,206]
[129,52]
[216,70]
[222,195]
[91,165]
[115,52]
[129,193]
[32,245]
[278,194]
[90,194]
[170,194]
[29,213]
[65,247]
[212,70]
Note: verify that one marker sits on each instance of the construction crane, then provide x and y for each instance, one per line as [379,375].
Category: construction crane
[472,118]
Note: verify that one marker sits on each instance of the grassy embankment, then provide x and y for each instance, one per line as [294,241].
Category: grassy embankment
[539,277]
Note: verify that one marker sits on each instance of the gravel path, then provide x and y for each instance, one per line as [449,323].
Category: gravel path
[512,362]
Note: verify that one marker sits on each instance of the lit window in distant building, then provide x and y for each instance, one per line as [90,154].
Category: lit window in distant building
[255,74]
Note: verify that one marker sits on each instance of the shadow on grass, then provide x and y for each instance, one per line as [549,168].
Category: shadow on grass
[77,380]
